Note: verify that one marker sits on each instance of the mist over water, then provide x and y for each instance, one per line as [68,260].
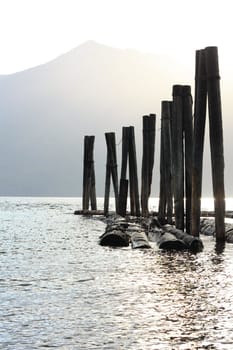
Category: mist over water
[60,289]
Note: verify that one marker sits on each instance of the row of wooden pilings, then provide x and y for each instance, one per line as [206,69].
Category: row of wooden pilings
[181,156]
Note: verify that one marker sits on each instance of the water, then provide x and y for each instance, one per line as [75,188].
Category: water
[60,289]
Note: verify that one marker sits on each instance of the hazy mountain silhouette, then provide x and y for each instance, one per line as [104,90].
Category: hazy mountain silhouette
[46,111]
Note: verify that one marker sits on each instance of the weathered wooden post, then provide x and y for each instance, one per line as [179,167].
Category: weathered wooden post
[147,160]
[89,191]
[129,153]
[93,190]
[165,200]
[198,139]
[107,185]
[162,190]
[124,183]
[145,167]
[216,138]
[178,156]
[168,160]
[125,151]
[123,194]
[133,175]
[188,146]
[152,135]
[111,169]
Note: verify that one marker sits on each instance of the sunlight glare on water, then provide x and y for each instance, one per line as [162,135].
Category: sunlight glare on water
[60,289]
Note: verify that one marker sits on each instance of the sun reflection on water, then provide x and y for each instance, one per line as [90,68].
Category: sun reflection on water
[59,288]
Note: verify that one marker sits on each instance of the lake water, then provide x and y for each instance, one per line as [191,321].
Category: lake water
[60,289]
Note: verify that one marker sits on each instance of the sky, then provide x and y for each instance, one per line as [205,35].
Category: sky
[33,32]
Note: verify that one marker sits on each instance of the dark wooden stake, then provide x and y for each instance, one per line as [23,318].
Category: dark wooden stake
[129,153]
[107,186]
[188,143]
[111,169]
[198,141]
[124,183]
[152,135]
[147,160]
[133,175]
[162,190]
[178,162]
[216,138]
[93,190]
[125,151]
[123,194]
[165,200]
[89,191]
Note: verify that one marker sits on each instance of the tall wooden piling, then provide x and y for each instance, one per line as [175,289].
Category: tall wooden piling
[168,159]
[129,155]
[216,138]
[93,190]
[107,186]
[198,139]
[162,189]
[178,156]
[147,160]
[145,166]
[89,192]
[125,151]
[188,146]
[111,170]
[165,199]
[133,175]
[152,135]
[123,194]
[124,183]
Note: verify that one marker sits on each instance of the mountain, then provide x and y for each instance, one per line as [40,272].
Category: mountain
[46,111]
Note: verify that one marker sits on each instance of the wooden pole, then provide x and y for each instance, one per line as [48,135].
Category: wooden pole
[88,173]
[123,194]
[114,169]
[93,190]
[125,151]
[169,174]
[147,160]
[216,138]
[152,124]
[145,166]
[177,155]
[198,139]
[162,190]
[84,197]
[166,146]
[107,185]
[133,175]
[111,168]
[188,139]
[196,77]
[124,183]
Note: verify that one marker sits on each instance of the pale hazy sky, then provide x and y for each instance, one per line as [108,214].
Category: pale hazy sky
[35,31]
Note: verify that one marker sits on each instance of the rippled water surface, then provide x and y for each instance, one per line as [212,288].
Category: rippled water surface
[60,289]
